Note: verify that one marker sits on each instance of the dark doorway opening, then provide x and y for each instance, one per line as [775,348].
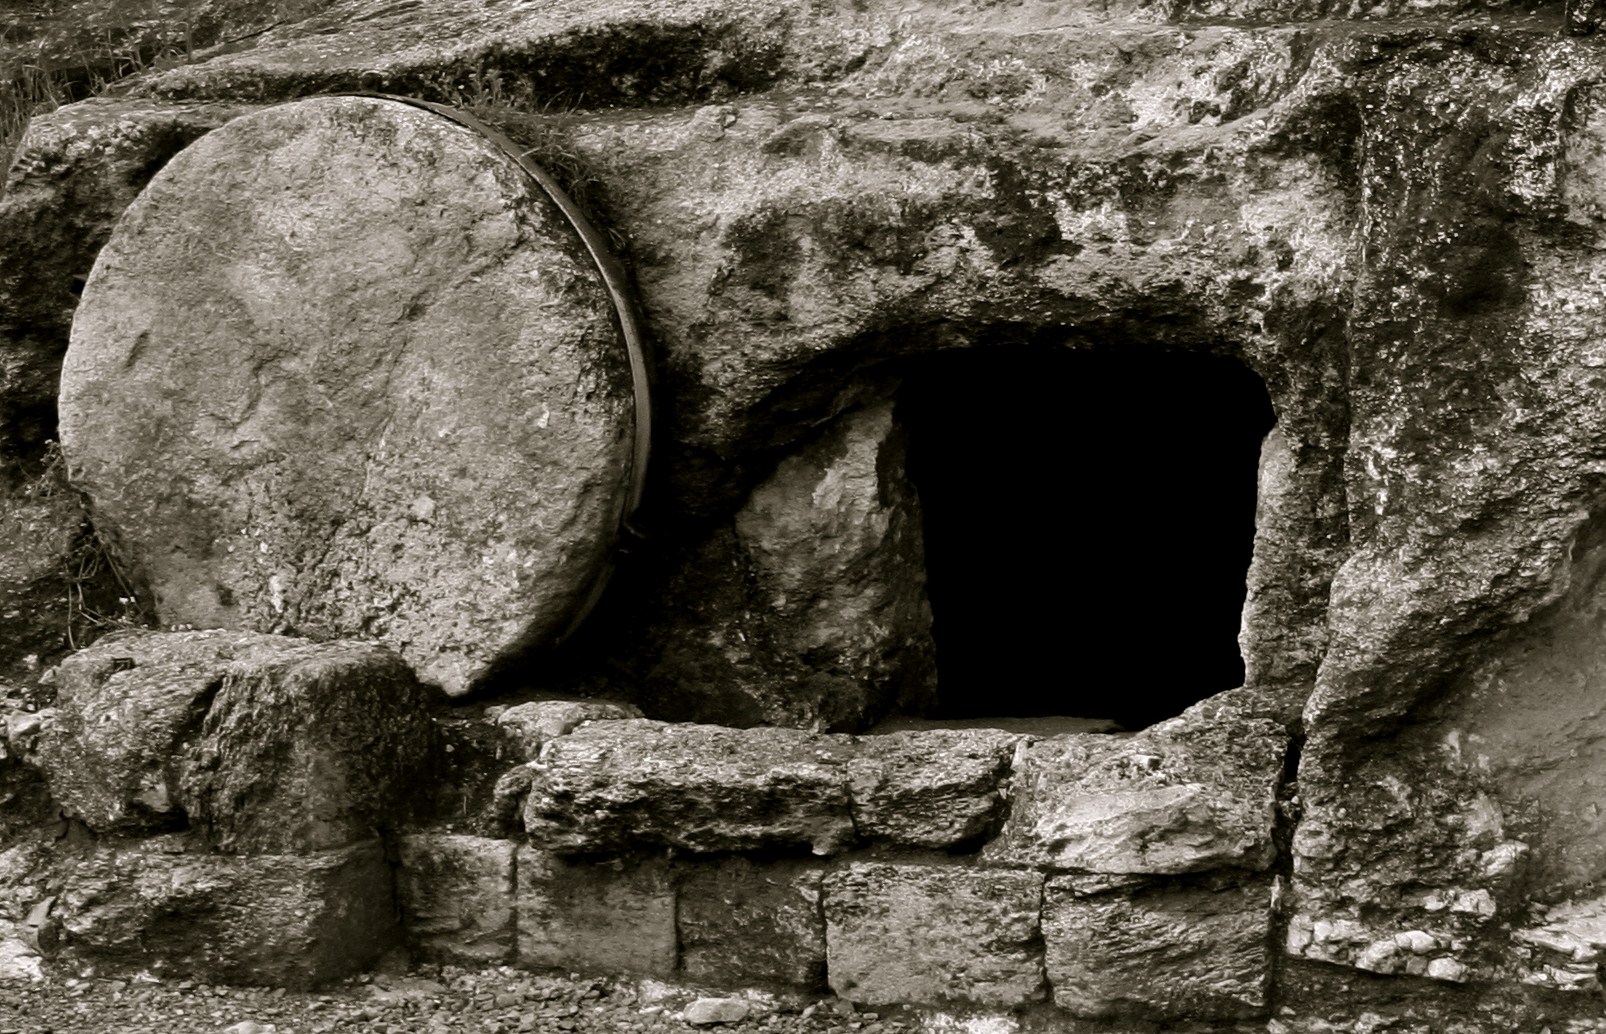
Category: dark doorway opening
[1089,522]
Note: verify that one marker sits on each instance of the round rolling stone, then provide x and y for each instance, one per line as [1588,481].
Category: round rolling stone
[343,370]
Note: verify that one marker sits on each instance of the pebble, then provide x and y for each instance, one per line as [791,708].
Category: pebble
[706,1011]
[431,1000]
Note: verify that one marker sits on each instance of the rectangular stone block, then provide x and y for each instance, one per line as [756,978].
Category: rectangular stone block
[456,895]
[623,786]
[1171,953]
[1187,795]
[933,933]
[752,923]
[929,788]
[292,920]
[602,917]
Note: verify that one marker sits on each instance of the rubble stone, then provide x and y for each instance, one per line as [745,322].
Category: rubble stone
[934,788]
[633,785]
[295,921]
[1186,795]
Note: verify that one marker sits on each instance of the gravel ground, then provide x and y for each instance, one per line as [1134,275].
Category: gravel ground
[446,999]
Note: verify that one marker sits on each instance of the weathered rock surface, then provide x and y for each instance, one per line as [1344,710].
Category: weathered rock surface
[313,749]
[1396,225]
[293,920]
[919,933]
[743,923]
[1182,953]
[456,895]
[426,444]
[126,710]
[74,175]
[934,788]
[530,725]
[809,610]
[616,917]
[635,785]
[1183,796]
[262,744]
[1564,950]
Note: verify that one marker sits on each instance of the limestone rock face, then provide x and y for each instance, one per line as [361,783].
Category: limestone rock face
[810,611]
[629,785]
[293,920]
[1185,953]
[263,744]
[916,933]
[1182,796]
[344,407]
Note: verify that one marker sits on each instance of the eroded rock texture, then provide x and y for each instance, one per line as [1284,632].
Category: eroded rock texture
[1392,216]
[809,609]
[261,744]
[1179,797]
[385,399]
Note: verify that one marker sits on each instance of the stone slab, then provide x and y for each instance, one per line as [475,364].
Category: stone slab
[1175,953]
[310,747]
[918,933]
[343,370]
[640,784]
[1190,794]
[456,895]
[933,788]
[745,923]
[600,917]
[292,920]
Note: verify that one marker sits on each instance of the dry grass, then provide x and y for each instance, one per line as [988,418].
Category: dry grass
[53,52]
[98,596]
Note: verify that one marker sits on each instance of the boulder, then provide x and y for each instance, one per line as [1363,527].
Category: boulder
[931,934]
[640,784]
[155,905]
[310,748]
[744,923]
[608,918]
[456,895]
[1190,794]
[809,610]
[261,743]
[348,409]
[126,711]
[1184,952]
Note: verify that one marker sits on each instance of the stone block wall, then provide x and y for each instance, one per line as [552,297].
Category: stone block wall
[1098,875]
